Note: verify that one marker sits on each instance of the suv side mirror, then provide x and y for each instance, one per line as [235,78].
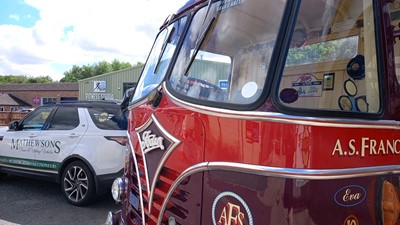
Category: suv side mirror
[127,97]
[13,125]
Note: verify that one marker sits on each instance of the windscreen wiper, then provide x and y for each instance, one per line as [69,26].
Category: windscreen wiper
[164,46]
[200,39]
[199,42]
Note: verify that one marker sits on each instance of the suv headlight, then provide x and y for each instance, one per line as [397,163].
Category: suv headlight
[118,187]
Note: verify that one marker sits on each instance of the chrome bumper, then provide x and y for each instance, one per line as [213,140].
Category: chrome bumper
[114,218]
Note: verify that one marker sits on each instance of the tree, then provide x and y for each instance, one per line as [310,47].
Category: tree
[46,79]
[342,48]
[81,72]
[20,79]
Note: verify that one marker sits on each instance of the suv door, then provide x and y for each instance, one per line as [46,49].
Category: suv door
[20,144]
[61,135]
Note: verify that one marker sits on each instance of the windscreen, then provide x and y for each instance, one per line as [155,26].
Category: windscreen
[159,59]
[227,51]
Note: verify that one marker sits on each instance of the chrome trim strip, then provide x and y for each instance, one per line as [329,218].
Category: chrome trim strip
[136,104]
[138,130]
[138,179]
[30,169]
[284,118]
[309,174]
[189,171]
[174,143]
[278,172]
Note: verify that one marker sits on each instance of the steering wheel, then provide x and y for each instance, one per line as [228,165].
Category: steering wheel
[205,87]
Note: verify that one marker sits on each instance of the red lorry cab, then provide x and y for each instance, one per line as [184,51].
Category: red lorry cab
[273,112]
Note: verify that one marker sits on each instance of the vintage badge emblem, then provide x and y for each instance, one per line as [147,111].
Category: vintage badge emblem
[156,145]
[351,220]
[230,209]
[350,195]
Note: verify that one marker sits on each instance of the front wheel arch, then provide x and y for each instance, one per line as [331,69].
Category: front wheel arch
[78,183]
[72,158]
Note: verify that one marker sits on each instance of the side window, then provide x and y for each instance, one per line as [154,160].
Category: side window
[36,119]
[395,17]
[331,64]
[65,118]
[108,118]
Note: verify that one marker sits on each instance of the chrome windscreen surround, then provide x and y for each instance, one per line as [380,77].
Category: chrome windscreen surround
[136,104]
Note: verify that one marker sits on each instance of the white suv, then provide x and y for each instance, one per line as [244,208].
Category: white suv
[80,145]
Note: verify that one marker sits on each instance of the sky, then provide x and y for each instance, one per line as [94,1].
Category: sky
[48,37]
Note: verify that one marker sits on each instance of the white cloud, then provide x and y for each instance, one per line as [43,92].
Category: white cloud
[14,16]
[76,32]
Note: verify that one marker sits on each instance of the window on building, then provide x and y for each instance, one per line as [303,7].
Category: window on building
[68,99]
[47,100]
[127,85]
[12,109]
[1,109]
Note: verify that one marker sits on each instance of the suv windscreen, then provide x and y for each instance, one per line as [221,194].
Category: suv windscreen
[108,118]
[159,59]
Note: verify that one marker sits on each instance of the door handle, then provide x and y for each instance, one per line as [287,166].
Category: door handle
[32,135]
[73,135]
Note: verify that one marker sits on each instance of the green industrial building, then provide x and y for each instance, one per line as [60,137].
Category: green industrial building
[109,86]
[112,86]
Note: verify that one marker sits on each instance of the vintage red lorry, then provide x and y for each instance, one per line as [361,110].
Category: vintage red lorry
[267,112]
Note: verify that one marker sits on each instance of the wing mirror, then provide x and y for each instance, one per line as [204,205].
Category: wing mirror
[13,125]
[127,97]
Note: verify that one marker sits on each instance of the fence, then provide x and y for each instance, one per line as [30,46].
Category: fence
[7,117]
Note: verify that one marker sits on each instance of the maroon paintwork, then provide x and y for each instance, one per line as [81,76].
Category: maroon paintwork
[234,197]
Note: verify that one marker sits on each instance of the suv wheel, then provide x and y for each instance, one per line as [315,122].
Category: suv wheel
[2,175]
[78,183]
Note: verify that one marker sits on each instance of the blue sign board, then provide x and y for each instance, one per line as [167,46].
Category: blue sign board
[223,84]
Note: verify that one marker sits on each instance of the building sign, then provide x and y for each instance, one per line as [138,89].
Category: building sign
[223,84]
[99,86]
[36,100]
[308,85]
[99,96]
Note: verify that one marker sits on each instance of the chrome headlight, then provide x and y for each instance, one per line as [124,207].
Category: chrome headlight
[118,187]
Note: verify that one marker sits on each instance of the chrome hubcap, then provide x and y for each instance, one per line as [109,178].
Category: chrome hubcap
[76,183]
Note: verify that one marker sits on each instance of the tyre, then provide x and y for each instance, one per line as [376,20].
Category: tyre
[2,175]
[77,184]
